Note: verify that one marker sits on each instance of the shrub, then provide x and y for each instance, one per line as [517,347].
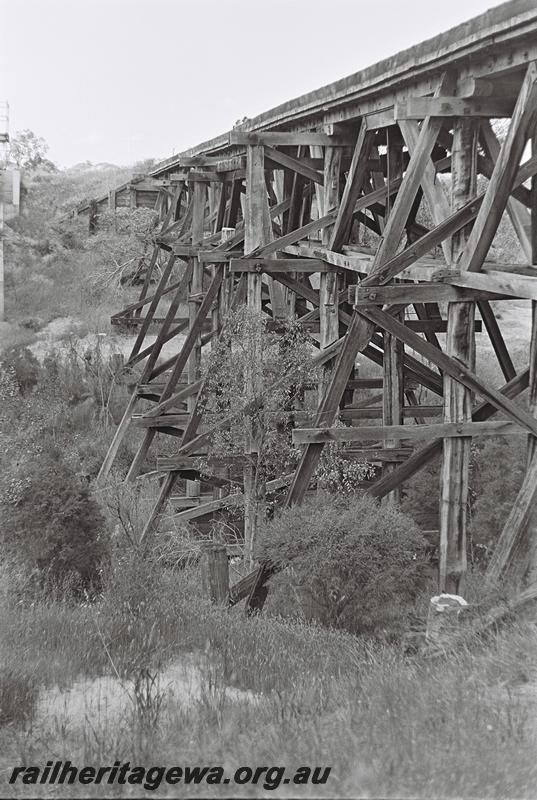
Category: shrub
[23,365]
[50,521]
[349,561]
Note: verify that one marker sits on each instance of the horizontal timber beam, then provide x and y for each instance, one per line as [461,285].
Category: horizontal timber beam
[507,284]
[166,463]
[281,265]
[354,262]
[407,293]
[218,164]
[373,454]
[278,138]
[421,107]
[216,256]
[407,432]
[376,413]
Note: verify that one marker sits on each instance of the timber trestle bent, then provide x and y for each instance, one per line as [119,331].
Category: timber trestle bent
[365,210]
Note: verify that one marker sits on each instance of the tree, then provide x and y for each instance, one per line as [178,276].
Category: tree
[50,521]
[284,372]
[28,151]
[283,365]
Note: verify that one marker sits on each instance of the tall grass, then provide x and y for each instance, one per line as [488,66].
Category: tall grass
[388,724]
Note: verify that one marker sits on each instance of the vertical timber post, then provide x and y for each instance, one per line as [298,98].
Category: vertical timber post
[460,344]
[112,206]
[1,261]
[392,365]
[257,231]
[92,217]
[194,302]
[215,572]
[219,314]
[392,397]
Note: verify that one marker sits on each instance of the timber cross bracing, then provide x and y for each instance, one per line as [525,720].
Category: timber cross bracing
[272,214]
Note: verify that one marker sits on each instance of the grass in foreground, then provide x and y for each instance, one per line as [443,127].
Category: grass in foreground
[389,724]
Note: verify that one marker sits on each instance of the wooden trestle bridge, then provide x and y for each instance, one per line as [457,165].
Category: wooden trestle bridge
[250,216]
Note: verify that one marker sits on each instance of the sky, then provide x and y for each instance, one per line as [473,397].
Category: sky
[123,80]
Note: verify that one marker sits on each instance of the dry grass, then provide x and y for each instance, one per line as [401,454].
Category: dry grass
[389,724]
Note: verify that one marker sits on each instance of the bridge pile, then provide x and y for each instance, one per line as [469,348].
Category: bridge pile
[268,212]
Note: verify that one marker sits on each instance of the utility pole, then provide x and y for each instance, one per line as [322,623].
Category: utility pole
[4,140]
[1,260]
